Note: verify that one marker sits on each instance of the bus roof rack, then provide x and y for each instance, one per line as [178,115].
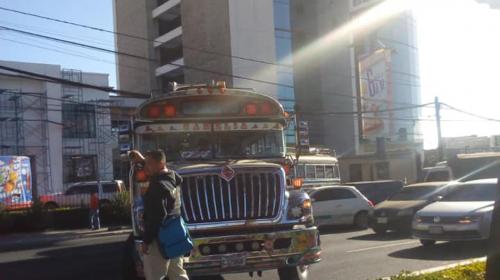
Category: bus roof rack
[174,86]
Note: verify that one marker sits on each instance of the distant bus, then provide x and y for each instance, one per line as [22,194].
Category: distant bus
[15,182]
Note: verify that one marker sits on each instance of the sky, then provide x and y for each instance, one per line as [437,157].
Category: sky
[97,13]
[457,39]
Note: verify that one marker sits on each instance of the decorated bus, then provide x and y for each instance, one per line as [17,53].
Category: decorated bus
[228,145]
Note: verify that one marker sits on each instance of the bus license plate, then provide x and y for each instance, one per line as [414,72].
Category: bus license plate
[382,220]
[436,230]
[234,260]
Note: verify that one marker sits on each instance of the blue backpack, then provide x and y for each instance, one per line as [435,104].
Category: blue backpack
[173,238]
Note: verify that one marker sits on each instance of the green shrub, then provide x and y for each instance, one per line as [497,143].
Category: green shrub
[474,271]
[118,211]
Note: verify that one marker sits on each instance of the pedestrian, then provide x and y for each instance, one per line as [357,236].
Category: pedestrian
[95,222]
[161,199]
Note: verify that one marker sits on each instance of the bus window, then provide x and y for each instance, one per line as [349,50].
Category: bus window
[330,171]
[299,171]
[320,171]
[310,171]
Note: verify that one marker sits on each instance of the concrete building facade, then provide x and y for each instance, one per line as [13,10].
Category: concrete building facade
[190,41]
[331,76]
[66,131]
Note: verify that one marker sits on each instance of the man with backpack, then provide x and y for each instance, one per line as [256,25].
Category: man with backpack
[161,200]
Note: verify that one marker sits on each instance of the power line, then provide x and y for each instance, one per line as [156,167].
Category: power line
[72,53]
[135,36]
[193,48]
[45,78]
[470,114]
[142,57]
[368,112]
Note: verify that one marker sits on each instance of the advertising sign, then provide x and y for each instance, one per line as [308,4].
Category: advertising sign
[15,182]
[376,94]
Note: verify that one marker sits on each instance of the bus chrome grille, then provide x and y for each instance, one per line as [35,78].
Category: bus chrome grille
[248,195]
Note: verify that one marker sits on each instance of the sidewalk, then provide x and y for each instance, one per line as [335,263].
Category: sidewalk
[10,240]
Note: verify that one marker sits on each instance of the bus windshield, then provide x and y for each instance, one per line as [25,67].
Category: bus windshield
[182,146]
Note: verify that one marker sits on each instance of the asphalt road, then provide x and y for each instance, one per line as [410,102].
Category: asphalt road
[347,254]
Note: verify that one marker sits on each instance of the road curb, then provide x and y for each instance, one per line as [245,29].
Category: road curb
[443,267]
[59,236]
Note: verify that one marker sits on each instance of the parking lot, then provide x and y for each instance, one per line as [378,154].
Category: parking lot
[347,254]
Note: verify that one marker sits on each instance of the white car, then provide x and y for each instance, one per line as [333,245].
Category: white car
[78,194]
[340,205]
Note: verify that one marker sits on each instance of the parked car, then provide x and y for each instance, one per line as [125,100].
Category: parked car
[340,205]
[396,213]
[378,191]
[463,214]
[78,194]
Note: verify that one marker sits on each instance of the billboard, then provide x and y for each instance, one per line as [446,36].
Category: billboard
[15,182]
[376,94]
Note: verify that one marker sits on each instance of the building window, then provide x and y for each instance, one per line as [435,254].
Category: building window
[79,121]
[382,170]
[79,168]
[355,172]
[282,14]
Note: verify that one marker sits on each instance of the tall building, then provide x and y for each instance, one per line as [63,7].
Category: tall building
[284,57]
[372,69]
[192,41]
[65,130]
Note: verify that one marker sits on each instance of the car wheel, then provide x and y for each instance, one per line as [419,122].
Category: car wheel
[50,205]
[361,220]
[427,242]
[293,272]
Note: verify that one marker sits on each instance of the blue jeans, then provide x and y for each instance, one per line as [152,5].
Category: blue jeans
[95,223]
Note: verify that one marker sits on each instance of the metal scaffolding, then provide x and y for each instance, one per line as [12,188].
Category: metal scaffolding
[24,131]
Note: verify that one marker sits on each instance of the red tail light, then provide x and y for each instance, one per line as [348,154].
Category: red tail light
[169,111]
[371,203]
[251,109]
[154,112]
[266,108]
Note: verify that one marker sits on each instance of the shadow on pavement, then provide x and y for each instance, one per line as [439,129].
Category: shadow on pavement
[445,251]
[388,236]
[90,261]
[337,229]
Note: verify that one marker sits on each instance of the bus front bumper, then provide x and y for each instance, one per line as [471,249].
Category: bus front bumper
[254,252]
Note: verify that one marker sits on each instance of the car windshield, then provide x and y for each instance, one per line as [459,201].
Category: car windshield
[415,193]
[216,145]
[473,192]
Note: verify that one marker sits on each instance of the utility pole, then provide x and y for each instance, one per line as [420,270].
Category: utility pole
[437,106]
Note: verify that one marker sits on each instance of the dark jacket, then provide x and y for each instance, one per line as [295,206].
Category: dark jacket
[161,199]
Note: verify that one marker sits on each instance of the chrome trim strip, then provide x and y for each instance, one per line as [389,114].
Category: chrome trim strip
[206,196]
[260,195]
[244,196]
[275,198]
[237,197]
[190,199]
[213,195]
[222,200]
[228,184]
[267,193]
[253,197]
[198,198]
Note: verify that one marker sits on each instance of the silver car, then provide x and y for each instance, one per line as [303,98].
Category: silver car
[463,214]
